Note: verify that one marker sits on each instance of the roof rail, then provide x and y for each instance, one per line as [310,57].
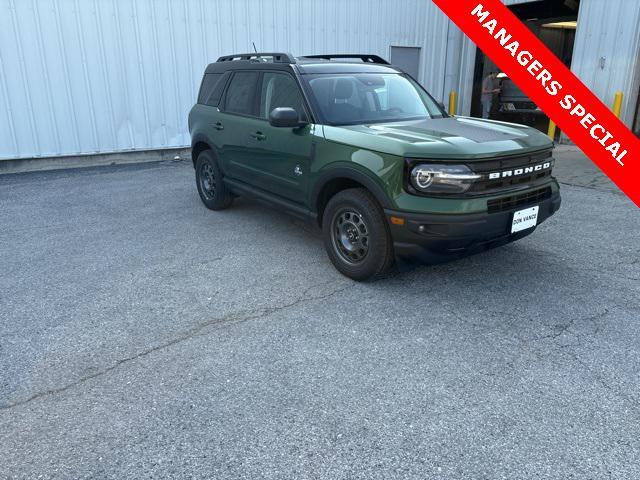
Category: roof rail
[365,58]
[278,57]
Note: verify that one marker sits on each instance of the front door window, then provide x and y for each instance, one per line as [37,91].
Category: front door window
[280,90]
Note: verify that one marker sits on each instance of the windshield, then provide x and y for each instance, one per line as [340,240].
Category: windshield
[370,98]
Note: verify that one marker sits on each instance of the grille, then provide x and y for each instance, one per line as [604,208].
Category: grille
[515,201]
[525,105]
[485,167]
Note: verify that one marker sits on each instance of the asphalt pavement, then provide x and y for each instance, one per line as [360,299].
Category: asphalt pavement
[144,336]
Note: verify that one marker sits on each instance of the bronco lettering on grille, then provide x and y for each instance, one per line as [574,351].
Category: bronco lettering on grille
[520,171]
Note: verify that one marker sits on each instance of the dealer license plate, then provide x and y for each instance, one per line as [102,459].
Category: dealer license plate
[524,219]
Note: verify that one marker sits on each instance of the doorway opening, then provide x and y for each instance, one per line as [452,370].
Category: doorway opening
[554,23]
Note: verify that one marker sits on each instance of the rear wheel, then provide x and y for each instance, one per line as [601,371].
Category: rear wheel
[356,235]
[213,192]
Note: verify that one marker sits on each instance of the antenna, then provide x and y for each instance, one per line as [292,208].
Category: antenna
[254,47]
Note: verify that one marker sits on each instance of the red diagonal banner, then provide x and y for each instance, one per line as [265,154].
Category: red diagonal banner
[551,85]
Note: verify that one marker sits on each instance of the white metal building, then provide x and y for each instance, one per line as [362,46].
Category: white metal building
[97,76]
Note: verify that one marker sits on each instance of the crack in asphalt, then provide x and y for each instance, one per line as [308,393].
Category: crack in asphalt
[233,318]
[566,349]
[598,189]
[563,328]
[604,383]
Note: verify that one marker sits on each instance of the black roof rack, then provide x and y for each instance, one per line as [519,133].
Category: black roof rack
[364,58]
[278,57]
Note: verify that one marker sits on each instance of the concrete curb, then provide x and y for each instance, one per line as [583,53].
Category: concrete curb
[23,165]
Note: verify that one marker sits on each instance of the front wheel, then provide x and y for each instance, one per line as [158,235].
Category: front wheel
[356,235]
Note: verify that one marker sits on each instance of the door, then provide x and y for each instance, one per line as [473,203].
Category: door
[236,123]
[408,59]
[278,159]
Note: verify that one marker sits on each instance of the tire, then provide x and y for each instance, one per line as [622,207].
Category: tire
[356,235]
[213,192]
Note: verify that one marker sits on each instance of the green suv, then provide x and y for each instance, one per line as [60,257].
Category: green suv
[358,147]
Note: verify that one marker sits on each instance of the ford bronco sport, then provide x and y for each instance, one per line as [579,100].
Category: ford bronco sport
[360,148]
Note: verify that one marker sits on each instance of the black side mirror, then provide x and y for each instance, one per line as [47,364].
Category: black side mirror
[285,117]
[441,105]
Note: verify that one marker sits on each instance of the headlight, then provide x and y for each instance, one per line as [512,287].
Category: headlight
[436,178]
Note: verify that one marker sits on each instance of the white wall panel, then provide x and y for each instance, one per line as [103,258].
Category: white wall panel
[610,29]
[97,76]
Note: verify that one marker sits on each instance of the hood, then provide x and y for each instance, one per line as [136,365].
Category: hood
[452,137]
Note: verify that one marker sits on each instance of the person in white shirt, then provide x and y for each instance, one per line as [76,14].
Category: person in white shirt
[490,87]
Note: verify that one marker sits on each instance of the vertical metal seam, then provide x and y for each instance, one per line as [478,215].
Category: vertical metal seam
[8,109]
[613,85]
[446,62]
[160,76]
[105,77]
[260,23]
[25,80]
[67,77]
[299,33]
[274,38]
[123,74]
[176,83]
[247,20]
[87,82]
[187,30]
[380,28]
[312,33]
[205,33]
[415,26]
[49,93]
[141,75]
[218,26]
[233,30]
[172,52]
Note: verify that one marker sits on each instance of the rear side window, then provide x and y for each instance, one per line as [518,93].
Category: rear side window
[207,88]
[241,93]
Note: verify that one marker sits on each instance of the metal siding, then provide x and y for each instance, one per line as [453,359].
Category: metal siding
[609,29]
[95,76]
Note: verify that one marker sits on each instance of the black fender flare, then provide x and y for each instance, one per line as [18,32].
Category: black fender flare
[199,138]
[350,174]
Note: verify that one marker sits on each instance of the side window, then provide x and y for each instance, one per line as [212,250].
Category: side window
[279,90]
[208,86]
[241,93]
[211,91]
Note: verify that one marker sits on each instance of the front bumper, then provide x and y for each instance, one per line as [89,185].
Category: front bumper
[437,236]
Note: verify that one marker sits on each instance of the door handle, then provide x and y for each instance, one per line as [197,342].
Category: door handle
[259,136]
[218,126]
